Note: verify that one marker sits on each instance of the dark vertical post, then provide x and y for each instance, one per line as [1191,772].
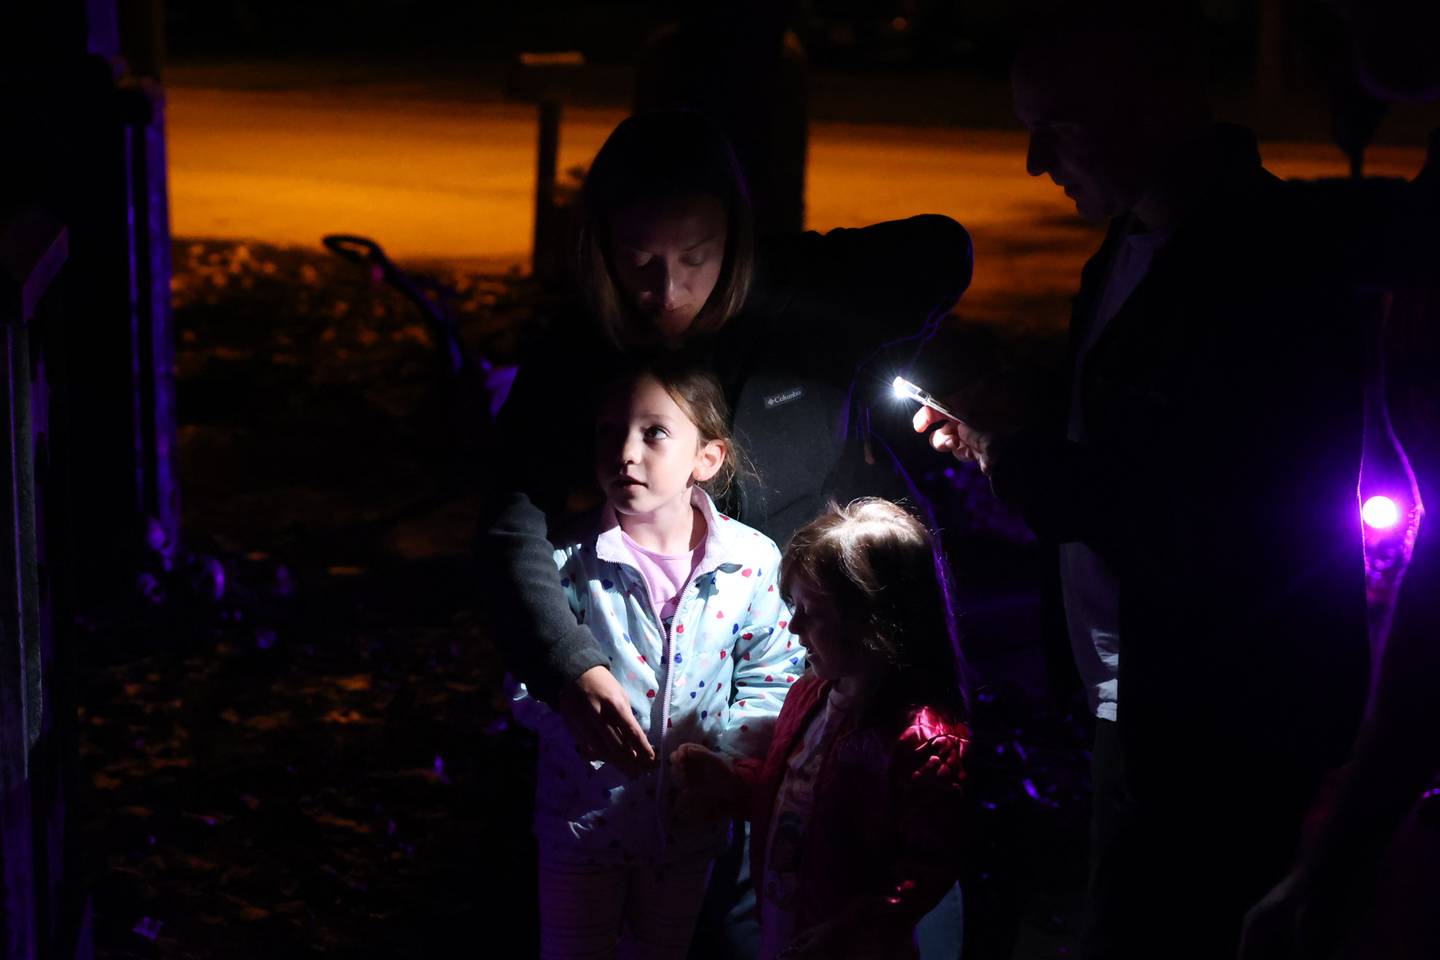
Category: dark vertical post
[153,343]
[142,37]
[546,155]
[1270,56]
[544,79]
[114,199]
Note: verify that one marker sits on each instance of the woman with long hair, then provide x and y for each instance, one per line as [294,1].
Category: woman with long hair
[666,257]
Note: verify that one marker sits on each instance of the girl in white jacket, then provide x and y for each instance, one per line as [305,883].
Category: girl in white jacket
[685,603]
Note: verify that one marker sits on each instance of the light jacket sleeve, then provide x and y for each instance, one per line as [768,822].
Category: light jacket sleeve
[768,659]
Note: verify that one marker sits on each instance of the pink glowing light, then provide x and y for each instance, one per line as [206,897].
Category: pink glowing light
[1380,512]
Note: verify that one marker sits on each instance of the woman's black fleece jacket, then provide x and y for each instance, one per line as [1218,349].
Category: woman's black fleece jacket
[830,319]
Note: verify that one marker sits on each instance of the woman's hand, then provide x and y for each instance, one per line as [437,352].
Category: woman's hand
[597,713]
[953,437]
[709,788]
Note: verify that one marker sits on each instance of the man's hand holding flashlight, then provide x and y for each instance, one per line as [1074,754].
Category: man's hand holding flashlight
[954,435]
[961,440]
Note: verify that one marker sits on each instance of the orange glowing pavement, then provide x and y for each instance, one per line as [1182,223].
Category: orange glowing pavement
[437,179]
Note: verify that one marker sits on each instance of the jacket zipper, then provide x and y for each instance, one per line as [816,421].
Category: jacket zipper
[663,692]
[666,677]
[667,653]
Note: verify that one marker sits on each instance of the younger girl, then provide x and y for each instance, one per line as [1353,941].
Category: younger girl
[686,607]
[855,809]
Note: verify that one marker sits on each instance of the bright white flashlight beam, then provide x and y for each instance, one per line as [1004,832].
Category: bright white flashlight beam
[904,389]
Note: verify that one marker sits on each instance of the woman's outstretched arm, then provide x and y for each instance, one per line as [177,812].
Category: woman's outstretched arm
[863,288]
[541,452]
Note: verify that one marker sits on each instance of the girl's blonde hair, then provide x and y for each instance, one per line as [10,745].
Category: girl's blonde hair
[658,156]
[881,569]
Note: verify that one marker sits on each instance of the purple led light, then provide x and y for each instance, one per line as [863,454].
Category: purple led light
[1380,512]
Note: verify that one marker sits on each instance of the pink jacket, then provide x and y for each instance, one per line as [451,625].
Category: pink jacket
[884,836]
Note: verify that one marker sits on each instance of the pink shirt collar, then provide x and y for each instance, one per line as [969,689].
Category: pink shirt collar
[723,536]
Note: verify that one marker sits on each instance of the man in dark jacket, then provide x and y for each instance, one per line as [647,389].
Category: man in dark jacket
[1200,484]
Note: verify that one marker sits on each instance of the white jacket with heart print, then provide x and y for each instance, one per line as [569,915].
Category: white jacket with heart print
[717,677]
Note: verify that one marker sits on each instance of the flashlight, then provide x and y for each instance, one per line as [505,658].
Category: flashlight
[905,390]
[1380,512]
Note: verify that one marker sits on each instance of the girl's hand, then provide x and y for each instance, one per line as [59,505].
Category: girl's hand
[708,786]
[597,714]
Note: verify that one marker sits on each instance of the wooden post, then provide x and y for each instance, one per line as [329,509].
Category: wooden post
[548,150]
[544,79]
